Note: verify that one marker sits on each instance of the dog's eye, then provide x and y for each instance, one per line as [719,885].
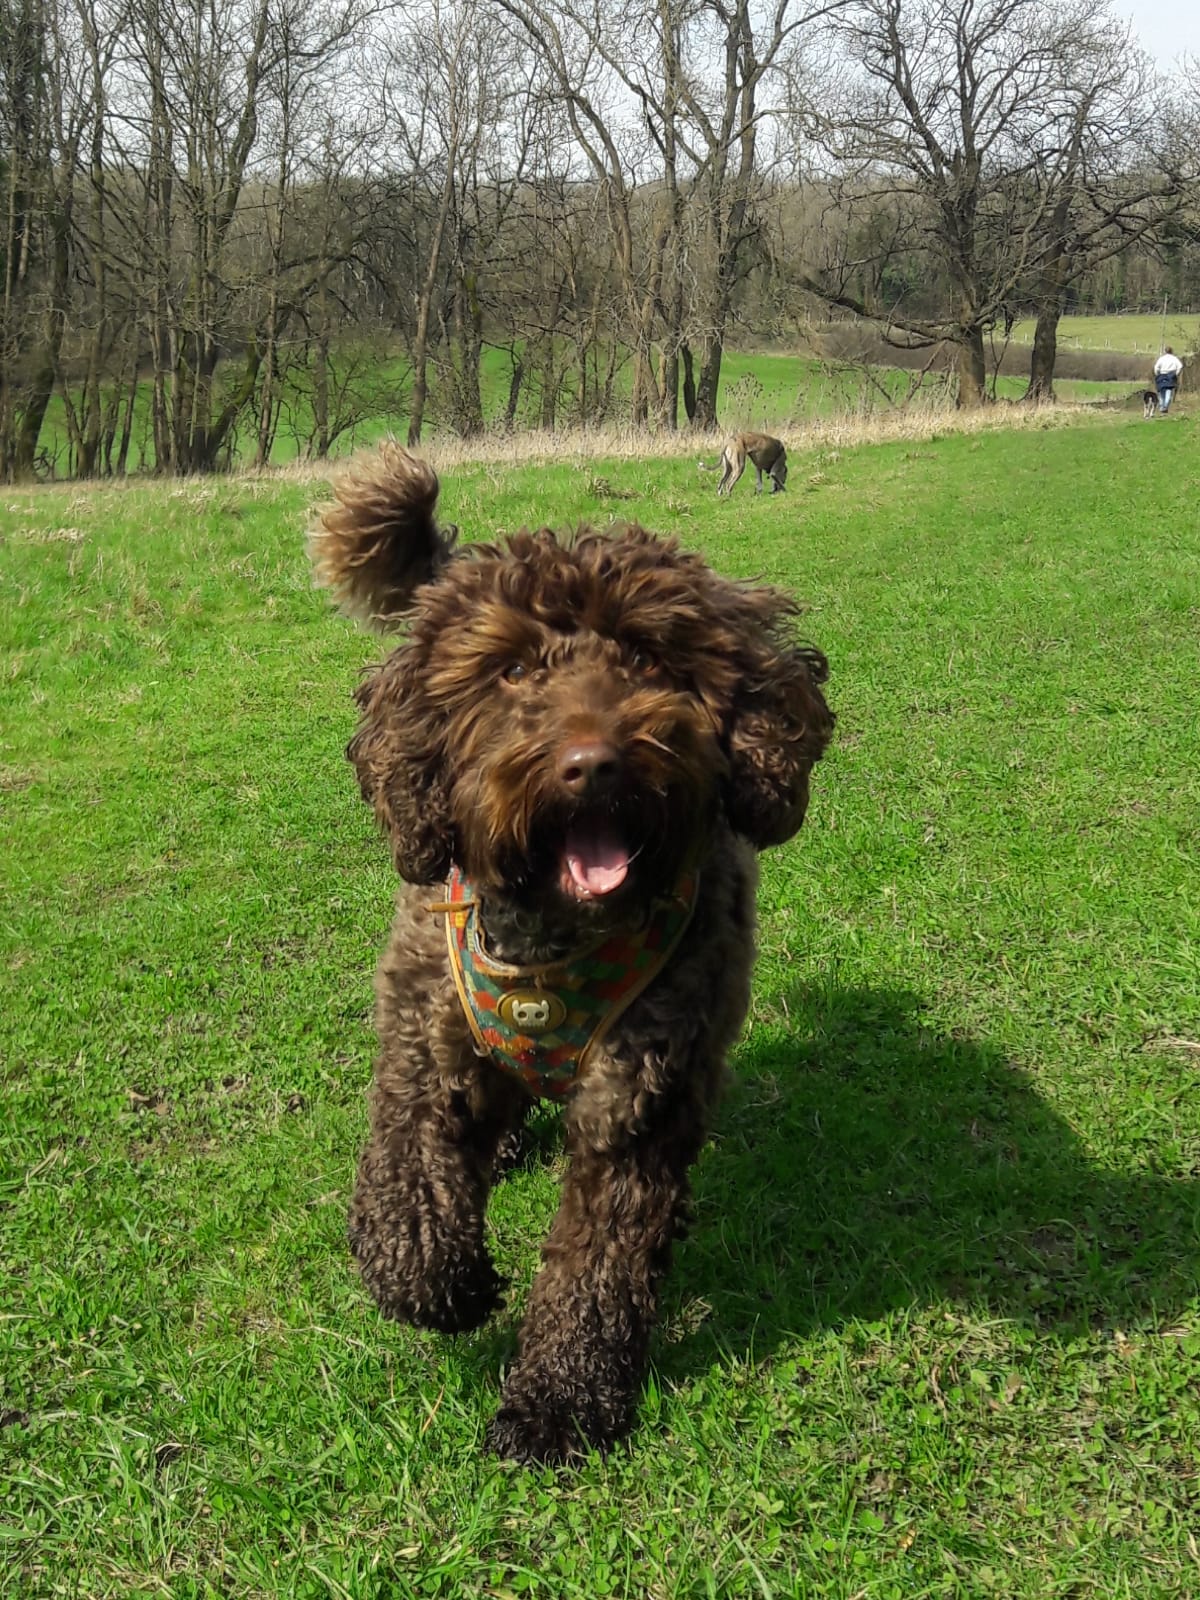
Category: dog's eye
[642,663]
[514,673]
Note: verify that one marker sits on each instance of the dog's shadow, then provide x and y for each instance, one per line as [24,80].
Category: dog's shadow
[863,1163]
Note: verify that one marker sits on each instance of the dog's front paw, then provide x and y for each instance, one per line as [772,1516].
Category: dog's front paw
[536,1437]
[462,1298]
[451,1294]
[537,1425]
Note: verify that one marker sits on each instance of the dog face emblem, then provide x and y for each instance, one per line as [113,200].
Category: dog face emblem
[531,1011]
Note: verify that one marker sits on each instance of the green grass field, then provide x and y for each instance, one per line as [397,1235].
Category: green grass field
[770,389]
[935,1331]
[1135,332]
[759,389]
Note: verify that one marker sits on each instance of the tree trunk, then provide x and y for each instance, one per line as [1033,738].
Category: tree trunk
[549,387]
[320,444]
[38,392]
[467,354]
[643,383]
[689,382]
[1052,298]
[160,196]
[267,406]
[704,413]
[420,357]
[130,402]
[972,370]
[91,427]
[219,434]
[1045,354]
[668,390]
[668,385]
[53,325]
[515,380]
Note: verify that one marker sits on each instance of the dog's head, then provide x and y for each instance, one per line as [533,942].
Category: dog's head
[564,717]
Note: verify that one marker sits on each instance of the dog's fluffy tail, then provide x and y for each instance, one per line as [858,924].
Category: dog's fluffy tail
[378,541]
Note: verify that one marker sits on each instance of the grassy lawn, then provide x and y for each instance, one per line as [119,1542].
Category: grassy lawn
[1135,332]
[769,389]
[762,389]
[935,1331]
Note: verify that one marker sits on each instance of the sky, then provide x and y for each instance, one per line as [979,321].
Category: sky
[1167,28]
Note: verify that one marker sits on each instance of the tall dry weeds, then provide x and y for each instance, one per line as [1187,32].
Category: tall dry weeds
[916,423]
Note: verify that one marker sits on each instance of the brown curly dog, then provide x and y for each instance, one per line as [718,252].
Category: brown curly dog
[581,741]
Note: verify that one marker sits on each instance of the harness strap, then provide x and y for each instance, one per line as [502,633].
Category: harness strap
[540,1023]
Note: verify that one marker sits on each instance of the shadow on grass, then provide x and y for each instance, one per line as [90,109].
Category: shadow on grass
[864,1164]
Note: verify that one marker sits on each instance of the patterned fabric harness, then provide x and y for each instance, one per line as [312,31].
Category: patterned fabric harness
[541,1023]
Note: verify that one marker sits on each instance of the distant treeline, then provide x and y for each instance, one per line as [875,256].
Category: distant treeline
[222,219]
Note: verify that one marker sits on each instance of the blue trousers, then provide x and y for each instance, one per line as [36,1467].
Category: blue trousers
[1165,384]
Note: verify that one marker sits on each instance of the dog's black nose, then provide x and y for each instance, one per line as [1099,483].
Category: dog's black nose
[588,766]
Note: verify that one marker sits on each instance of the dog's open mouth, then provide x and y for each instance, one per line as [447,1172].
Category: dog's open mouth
[595,859]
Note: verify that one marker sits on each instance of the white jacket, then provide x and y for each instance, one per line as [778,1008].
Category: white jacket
[1168,363]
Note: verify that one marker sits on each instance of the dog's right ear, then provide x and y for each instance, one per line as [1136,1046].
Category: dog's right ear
[378,542]
[398,757]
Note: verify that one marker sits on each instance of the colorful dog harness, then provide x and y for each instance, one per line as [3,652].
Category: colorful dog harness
[540,1023]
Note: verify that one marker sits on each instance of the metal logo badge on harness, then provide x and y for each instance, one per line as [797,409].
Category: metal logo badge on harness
[531,1011]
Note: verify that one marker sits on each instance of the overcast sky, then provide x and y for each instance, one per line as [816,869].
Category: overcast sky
[1167,28]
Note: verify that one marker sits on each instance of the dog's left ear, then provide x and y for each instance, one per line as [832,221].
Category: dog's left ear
[778,729]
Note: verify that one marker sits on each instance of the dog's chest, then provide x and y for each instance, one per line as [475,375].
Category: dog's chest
[541,1023]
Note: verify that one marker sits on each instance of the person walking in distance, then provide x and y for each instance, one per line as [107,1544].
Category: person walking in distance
[1166,377]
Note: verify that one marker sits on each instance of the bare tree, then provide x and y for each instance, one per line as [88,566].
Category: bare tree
[954,110]
[722,132]
[25,160]
[1122,172]
[98,380]
[215,83]
[42,119]
[665,100]
[569,39]
[429,111]
[461,96]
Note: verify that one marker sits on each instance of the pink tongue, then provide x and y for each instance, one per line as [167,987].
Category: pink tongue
[596,860]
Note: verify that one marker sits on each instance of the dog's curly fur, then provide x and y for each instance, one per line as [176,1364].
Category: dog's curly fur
[710,716]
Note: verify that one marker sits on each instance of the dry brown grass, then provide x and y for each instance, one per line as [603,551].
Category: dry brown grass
[922,419]
[916,422]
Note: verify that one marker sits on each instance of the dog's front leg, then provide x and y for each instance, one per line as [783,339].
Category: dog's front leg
[586,1333]
[416,1219]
